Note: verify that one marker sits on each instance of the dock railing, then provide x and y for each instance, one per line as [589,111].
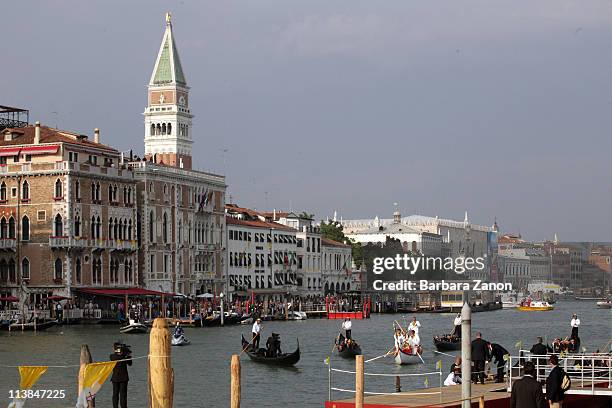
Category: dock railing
[360,388]
[591,373]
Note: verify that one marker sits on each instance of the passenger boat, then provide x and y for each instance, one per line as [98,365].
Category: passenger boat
[348,349]
[134,328]
[535,306]
[32,326]
[285,359]
[405,356]
[447,343]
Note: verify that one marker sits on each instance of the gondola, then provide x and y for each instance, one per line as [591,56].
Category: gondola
[347,351]
[405,356]
[442,343]
[31,326]
[285,359]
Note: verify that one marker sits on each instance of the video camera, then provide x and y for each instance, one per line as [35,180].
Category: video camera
[122,349]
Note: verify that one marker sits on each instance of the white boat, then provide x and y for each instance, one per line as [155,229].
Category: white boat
[179,340]
[509,302]
[604,304]
[405,356]
[134,327]
[294,315]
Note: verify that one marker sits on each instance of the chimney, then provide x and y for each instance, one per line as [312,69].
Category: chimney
[37,133]
[96,135]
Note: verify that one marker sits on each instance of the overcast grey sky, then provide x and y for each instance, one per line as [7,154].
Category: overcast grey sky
[502,108]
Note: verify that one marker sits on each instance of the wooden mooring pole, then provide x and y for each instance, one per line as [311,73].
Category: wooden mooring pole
[481,401]
[161,375]
[235,382]
[85,359]
[359,390]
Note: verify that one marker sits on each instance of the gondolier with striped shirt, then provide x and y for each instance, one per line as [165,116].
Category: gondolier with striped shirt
[256,330]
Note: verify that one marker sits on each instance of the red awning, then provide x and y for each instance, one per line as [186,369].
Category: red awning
[10,152]
[122,292]
[9,299]
[45,149]
[56,298]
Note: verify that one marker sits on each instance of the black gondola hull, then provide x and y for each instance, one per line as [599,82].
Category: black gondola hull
[447,345]
[284,360]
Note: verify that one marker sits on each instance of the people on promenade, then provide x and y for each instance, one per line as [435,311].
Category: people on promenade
[527,392]
[480,354]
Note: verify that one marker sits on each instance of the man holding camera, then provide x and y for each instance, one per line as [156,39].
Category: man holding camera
[120,375]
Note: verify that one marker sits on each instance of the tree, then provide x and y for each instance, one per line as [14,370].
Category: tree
[306,216]
[335,231]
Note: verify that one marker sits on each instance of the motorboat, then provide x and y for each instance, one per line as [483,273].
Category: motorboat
[295,315]
[178,339]
[604,304]
[535,306]
[134,328]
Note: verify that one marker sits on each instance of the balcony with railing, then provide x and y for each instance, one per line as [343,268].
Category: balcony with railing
[8,244]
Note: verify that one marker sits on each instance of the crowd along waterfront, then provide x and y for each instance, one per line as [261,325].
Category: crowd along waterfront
[202,369]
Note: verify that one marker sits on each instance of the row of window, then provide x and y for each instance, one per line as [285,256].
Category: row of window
[262,237]
[58,192]
[7,228]
[243,259]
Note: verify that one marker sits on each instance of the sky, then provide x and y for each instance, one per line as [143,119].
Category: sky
[502,109]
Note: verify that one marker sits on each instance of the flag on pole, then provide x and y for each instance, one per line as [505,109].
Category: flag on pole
[518,344]
[93,378]
[439,365]
[28,375]
[326,361]
[426,382]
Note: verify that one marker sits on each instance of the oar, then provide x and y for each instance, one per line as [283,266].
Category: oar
[422,361]
[449,355]
[249,343]
[376,358]
[337,337]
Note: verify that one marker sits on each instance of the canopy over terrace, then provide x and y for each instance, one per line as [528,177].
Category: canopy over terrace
[125,293]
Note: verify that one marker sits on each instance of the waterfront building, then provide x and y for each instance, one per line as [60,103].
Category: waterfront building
[181,210]
[431,236]
[68,213]
[566,263]
[337,268]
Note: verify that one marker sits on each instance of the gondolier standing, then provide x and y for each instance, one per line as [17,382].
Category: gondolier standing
[575,323]
[414,325]
[256,330]
[457,323]
[346,326]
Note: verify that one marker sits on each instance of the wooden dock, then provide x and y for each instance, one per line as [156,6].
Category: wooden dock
[430,397]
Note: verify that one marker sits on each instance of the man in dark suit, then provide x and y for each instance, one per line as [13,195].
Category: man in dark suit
[539,349]
[499,352]
[527,392]
[480,353]
[120,375]
[554,393]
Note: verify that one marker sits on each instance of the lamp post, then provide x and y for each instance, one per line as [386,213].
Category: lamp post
[222,311]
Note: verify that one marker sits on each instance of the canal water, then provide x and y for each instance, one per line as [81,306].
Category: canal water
[201,370]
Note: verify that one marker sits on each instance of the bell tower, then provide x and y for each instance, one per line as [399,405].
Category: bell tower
[168,117]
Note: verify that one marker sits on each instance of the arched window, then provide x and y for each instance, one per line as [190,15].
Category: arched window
[58,188]
[3,271]
[110,193]
[59,226]
[115,193]
[77,271]
[93,227]
[152,132]
[151,227]
[25,190]
[158,129]
[25,228]
[77,226]
[126,277]
[110,228]
[125,233]
[129,230]
[115,229]
[3,191]
[3,228]
[163,129]
[93,191]
[77,189]
[98,227]
[98,196]
[11,228]
[58,273]
[169,128]
[25,269]
[165,229]
[11,271]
